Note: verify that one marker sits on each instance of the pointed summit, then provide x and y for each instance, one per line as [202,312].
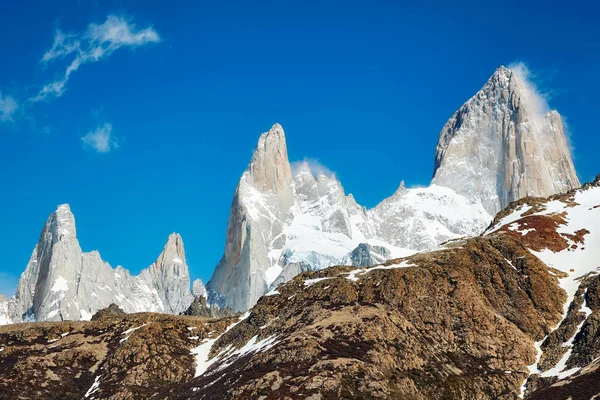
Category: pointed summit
[270,168]
[504,144]
[65,221]
[169,275]
[173,250]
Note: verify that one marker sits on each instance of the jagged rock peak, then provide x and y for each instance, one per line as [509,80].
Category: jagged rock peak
[64,221]
[401,189]
[503,144]
[198,289]
[270,168]
[169,275]
[173,250]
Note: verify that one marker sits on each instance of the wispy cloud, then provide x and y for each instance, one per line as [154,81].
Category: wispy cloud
[536,99]
[97,42]
[8,106]
[315,167]
[101,140]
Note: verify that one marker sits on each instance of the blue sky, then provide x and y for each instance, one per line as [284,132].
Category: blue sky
[143,115]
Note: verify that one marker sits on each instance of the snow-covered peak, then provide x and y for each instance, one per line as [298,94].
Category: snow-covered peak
[422,218]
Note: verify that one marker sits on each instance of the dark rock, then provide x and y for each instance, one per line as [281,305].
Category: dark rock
[111,311]
[199,308]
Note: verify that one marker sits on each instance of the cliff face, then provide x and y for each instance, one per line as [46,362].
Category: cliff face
[502,145]
[259,210]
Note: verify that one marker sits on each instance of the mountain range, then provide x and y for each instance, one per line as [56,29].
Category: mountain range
[500,146]
[511,313]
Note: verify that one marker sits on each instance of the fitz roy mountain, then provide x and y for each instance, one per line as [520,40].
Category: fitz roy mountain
[63,283]
[501,145]
[498,147]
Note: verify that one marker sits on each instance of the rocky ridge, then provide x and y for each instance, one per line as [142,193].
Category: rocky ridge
[495,316]
[61,282]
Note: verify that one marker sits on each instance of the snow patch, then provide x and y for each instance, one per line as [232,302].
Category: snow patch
[93,388]
[129,331]
[60,285]
[310,282]
[353,275]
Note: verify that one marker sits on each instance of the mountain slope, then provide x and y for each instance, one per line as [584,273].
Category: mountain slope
[485,317]
[63,282]
[564,232]
[503,145]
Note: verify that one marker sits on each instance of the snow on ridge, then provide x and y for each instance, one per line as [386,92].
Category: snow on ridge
[201,352]
[353,275]
[577,260]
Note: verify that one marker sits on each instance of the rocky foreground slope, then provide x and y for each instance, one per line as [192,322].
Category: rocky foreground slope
[513,312]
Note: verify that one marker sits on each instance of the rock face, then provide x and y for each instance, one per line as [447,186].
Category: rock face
[198,289]
[503,145]
[109,312]
[199,308]
[500,146]
[61,282]
[259,211]
[169,276]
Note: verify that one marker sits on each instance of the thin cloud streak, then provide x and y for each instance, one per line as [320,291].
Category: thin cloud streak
[8,106]
[98,41]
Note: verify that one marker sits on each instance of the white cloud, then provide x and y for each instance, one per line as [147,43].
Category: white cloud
[63,45]
[8,106]
[315,166]
[537,101]
[101,140]
[537,98]
[97,42]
